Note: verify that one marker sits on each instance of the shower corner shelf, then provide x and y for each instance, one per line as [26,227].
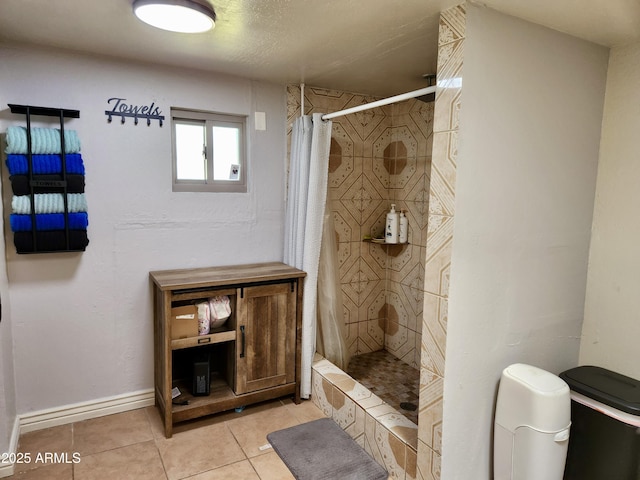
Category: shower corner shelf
[392,249]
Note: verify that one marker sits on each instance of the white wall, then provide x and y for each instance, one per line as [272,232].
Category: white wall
[612,309]
[7,381]
[528,150]
[7,378]
[82,323]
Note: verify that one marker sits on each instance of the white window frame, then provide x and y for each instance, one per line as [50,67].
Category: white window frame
[210,120]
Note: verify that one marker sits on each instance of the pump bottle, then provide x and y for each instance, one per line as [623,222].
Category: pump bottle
[403,230]
[391,229]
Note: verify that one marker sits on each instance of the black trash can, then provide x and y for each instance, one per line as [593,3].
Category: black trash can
[604,443]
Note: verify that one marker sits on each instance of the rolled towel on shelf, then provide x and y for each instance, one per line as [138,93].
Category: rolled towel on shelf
[48,221]
[43,141]
[51,241]
[45,164]
[49,203]
[21,186]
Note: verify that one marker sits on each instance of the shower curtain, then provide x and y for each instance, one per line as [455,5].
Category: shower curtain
[331,337]
[307,194]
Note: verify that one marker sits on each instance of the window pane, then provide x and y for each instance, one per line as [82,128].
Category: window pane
[226,153]
[190,160]
[208,152]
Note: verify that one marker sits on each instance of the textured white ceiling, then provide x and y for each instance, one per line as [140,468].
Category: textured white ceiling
[381,47]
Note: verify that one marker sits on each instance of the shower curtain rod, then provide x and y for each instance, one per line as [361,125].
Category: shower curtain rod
[380,103]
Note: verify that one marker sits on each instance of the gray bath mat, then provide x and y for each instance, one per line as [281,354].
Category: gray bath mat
[321,450]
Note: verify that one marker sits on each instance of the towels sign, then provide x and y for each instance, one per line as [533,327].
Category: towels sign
[120,108]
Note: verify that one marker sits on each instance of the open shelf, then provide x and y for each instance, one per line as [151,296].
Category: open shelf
[221,398]
[220,391]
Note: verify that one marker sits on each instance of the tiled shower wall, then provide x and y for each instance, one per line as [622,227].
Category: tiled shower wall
[378,157]
[439,240]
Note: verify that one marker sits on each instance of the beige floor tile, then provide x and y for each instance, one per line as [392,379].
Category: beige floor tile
[135,462]
[157,425]
[304,412]
[251,430]
[155,421]
[198,450]
[112,431]
[46,472]
[50,440]
[236,471]
[131,445]
[271,467]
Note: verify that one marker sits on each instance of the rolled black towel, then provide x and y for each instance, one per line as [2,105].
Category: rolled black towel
[20,184]
[50,241]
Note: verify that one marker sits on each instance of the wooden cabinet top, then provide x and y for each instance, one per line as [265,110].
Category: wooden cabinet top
[220,276]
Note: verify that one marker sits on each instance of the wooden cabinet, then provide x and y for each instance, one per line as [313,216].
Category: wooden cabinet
[254,356]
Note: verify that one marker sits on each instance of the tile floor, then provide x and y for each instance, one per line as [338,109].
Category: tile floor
[390,378]
[131,445]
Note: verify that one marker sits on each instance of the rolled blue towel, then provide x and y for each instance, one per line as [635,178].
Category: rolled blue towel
[45,164]
[49,203]
[43,141]
[48,221]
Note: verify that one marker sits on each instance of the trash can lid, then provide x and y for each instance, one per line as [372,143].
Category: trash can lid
[611,388]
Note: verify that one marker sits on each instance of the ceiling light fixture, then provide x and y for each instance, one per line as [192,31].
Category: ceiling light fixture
[186,16]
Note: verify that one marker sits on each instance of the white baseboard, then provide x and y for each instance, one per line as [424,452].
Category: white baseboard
[8,470]
[77,412]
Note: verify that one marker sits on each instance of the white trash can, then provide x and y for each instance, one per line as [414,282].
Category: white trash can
[531,430]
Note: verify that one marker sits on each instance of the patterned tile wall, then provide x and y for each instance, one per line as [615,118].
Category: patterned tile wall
[378,157]
[439,237]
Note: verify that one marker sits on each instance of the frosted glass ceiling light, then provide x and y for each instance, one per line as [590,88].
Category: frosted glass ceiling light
[186,16]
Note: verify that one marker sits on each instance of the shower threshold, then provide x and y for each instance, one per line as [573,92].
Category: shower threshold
[393,380]
[353,406]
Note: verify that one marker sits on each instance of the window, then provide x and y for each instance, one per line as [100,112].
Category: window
[208,152]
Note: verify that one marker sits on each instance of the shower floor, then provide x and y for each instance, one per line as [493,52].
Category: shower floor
[390,378]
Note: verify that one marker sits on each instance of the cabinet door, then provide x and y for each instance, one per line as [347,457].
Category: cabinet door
[265,351]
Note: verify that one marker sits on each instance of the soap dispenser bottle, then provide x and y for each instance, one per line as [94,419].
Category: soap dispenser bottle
[403,229]
[391,229]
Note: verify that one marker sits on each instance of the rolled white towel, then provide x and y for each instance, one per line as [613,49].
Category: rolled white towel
[43,141]
[49,203]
